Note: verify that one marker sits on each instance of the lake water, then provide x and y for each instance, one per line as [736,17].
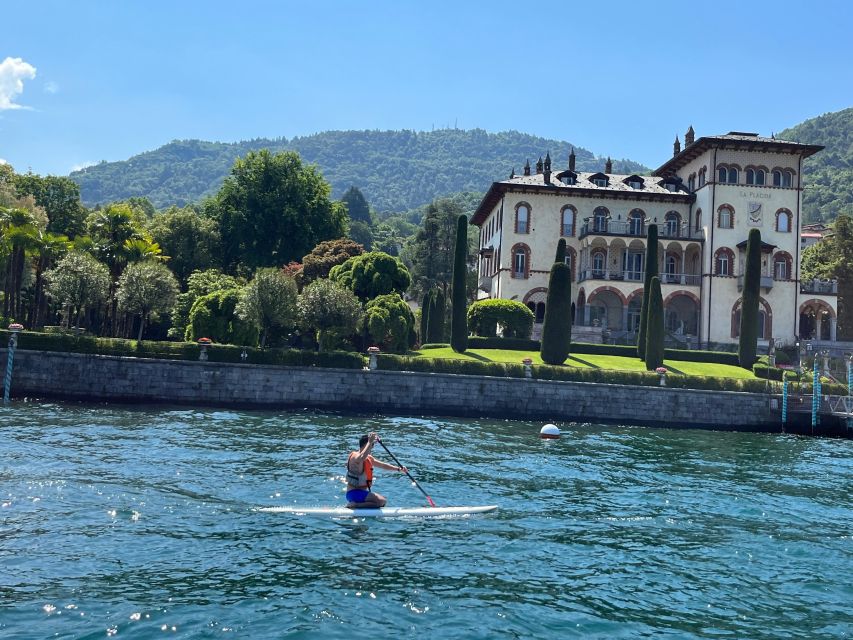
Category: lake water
[131,523]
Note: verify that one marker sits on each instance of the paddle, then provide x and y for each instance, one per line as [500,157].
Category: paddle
[431,503]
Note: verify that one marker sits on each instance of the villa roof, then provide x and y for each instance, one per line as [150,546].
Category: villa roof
[617,187]
[735,140]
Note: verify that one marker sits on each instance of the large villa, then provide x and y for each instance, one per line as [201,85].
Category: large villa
[704,200]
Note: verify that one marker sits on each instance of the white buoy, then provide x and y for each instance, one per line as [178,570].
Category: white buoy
[549,432]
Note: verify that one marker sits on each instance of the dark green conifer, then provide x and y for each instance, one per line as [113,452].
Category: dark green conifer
[748,342]
[561,251]
[459,317]
[426,303]
[436,317]
[655,327]
[651,272]
[557,329]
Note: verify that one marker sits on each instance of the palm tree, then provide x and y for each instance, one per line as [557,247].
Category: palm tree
[49,247]
[19,232]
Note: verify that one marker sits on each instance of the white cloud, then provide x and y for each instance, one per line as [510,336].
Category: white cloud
[2,161]
[83,165]
[51,87]
[13,72]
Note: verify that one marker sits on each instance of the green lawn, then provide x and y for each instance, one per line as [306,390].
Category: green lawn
[589,360]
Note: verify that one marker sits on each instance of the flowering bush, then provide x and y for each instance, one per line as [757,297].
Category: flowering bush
[661,370]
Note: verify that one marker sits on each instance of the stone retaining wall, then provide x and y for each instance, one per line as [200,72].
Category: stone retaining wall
[109,378]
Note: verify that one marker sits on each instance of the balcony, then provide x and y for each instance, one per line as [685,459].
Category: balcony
[826,287]
[766,282]
[635,229]
[686,279]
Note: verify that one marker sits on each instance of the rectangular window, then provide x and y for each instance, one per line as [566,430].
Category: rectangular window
[600,182]
[519,264]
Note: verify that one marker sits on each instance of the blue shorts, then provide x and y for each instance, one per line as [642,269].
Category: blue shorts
[357,495]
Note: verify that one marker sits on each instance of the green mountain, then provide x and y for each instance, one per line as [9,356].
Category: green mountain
[396,170]
[829,173]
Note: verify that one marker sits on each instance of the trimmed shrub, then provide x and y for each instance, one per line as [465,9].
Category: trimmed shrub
[459,318]
[214,316]
[654,327]
[515,319]
[748,342]
[694,355]
[389,322]
[651,272]
[557,329]
[561,251]
[435,345]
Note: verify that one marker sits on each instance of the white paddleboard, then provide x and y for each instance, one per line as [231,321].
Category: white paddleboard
[384,512]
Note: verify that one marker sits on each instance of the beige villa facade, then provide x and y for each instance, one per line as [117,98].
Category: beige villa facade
[704,200]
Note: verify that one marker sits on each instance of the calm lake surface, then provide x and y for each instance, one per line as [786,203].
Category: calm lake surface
[139,524]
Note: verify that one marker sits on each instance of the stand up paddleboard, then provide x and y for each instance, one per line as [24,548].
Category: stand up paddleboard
[384,512]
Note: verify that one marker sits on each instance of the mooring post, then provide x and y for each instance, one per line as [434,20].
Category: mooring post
[784,402]
[15,328]
[815,394]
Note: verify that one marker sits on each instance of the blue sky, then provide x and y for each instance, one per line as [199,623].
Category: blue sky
[87,81]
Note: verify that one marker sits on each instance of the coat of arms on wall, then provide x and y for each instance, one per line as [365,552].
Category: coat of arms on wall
[754,214]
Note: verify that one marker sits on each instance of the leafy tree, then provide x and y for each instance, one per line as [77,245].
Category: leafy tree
[331,310]
[357,205]
[272,210]
[145,288]
[557,328]
[820,260]
[748,342]
[319,262]
[388,321]
[844,272]
[513,317]
[190,240]
[269,302]
[78,281]
[437,311]
[18,235]
[361,233]
[59,197]
[213,316]
[48,248]
[655,331]
[431,250]
[458,319]
[372,274]
[199,283]
[651,272]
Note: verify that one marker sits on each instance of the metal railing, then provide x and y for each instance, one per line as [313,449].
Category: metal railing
[819,286]
[766,282]
[636,229]
[688,279]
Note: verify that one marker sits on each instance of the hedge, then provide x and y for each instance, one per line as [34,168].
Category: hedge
[389,362]
[37,341]
[512,344]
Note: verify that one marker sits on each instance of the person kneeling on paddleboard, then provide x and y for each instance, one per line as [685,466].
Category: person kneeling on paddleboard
[360,466]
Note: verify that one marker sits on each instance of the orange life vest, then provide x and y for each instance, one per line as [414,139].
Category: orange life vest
[361,480]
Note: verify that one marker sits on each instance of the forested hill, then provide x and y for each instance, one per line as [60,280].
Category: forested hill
[829,173]
[396,170]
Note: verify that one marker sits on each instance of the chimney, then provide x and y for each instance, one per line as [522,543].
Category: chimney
[548,161]
[527,168]
[572,160]
[676,147]
[608,166]
[689,137]
[539,165]
[512,173]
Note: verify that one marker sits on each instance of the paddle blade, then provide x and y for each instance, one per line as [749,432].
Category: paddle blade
[431,503]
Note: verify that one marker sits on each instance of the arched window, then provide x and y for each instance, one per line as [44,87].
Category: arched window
[724,262]
[764,320]
[567,228]
[783,178]
[702,177]
[733,176]
[600,216]
[755,176]
[571,258]
[670,267]
[725,217]
[636,221]
[782,262]
[522,218]
[599,259]
[722,174]
[783,221]
[673,224]
[698,219]
[521,261]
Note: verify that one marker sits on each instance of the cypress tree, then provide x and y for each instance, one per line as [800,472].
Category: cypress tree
[557,329]
[651,272]
[436,317]
[748,343]
[459,317]
[425,308]
[561,251]
[655,327]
